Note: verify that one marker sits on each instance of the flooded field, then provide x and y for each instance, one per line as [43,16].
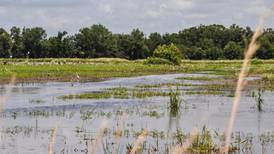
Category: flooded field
[111,116]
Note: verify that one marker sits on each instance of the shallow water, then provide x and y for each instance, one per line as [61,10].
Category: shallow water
[32,110]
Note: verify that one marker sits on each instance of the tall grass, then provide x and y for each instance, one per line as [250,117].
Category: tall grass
[174,103]
[259,99]
[251,50]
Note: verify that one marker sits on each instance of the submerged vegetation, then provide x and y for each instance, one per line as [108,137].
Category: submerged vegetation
[118,93]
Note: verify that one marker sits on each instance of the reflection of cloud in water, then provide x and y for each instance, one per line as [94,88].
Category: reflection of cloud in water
[29,125]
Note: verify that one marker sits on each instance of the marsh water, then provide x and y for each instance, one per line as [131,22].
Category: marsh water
[31,111]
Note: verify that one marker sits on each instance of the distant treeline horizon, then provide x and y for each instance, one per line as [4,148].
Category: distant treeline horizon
[200,42]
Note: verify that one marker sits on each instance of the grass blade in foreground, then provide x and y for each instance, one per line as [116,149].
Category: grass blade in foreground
[252,48]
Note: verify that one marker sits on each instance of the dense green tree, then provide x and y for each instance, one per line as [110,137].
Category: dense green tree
[266,50]
[170,38]
[96,41]
[17,46]
[200,42]
[5,43]
[195,53]
[123,44]
[33,40]
[137,48]
[233,51]
[154,40]
[214,53]
[60,45]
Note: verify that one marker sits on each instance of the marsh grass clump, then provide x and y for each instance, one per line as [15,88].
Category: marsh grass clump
[117,93]
[120,92]
[86,115]
[202,78]
[179,137]
[174,103]
[36,101]
[203,142]
[93,95]
[203,92]
[259,100]
[152,86]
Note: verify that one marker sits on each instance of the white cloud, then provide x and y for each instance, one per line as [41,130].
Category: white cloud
[124,15]
[257,7]
[196,16]
[179,4]
[106,8]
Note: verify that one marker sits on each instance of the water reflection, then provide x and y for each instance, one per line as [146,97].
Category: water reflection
[31,113]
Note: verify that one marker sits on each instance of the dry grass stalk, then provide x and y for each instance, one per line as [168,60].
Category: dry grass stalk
[251,50]
[183,148]
[141,138]
[95,144]
[52,140]
[118,133]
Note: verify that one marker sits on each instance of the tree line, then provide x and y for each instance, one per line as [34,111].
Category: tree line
[200,42]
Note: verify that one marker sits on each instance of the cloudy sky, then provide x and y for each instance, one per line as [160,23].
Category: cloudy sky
[124,15]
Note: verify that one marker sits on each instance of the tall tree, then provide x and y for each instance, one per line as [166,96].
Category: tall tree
[138,48]
[266,50]
[96,41]
[33,41]
[153,41]
[5,44]
[58,46]
[17,44]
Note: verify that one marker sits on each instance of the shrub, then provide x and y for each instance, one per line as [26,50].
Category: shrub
[168,52]
[155,60]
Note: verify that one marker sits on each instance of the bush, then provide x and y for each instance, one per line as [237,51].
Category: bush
[168,52]
[155,60]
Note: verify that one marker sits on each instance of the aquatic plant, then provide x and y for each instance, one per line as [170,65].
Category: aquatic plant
[117,93]
[203,142]
[174,103]
[179,137]
[258,98]
[36,101]
[201,78]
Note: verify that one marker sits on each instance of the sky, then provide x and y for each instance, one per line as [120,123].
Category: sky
[121,16]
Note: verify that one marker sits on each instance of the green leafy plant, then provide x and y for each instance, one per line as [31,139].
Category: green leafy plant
[168,52]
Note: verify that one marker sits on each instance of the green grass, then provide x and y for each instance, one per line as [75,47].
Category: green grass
[202,78]
[40,70]
[102,95]
[203,93]
[117,93]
